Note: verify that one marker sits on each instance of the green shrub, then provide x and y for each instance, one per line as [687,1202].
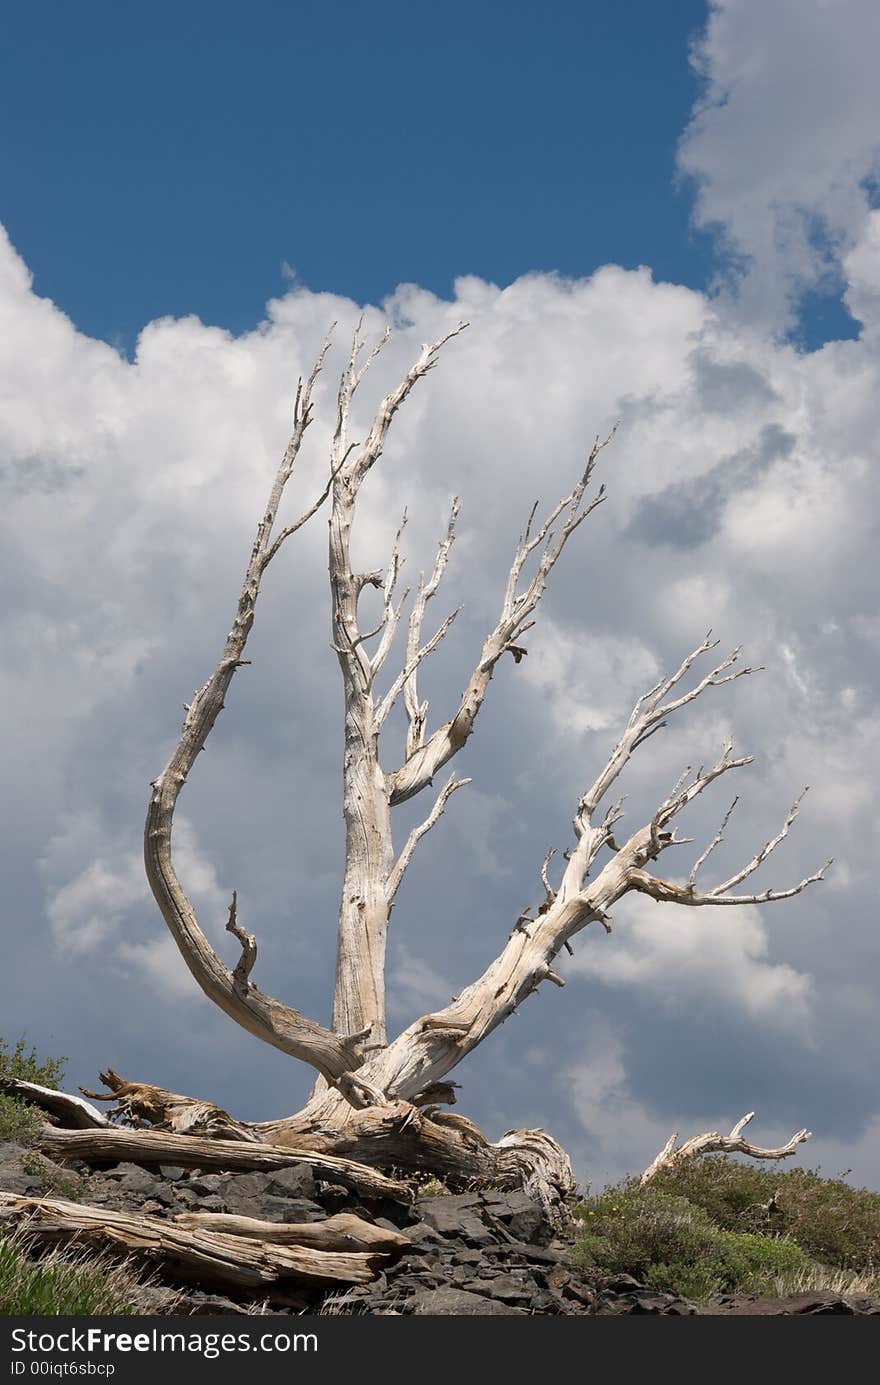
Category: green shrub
[61,1284]
[26,1067]
[834,1223]
[18,1121]
[675,1244]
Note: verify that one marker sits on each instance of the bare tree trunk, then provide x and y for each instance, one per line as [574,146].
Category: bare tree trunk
[192,1253]
[374,1096]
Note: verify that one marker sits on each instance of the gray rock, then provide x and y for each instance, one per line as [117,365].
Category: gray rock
[297,1180]
[133,1180]
[451,1216]
[206,1184]
[504,1286]
[448,1302]
[523,1218]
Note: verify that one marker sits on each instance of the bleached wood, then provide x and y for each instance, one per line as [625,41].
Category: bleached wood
[70,1110]
[417,711]
[370,1090]
[344,1231]
[359,992]
[423,762]
[192,1254]
[335,1055]
[672,1154]
[415,836]
[151,1147]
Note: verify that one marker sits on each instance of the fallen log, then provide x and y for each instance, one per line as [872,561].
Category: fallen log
[197,1255]
[341,1232]
[150,1147]
[70,1110]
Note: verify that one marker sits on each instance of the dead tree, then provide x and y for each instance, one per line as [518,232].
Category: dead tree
[377,1097]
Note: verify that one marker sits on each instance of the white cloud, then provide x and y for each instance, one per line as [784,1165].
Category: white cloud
[414,986]
[678,955]
[588,681]
[785,142]
[89,906]
[622,1135]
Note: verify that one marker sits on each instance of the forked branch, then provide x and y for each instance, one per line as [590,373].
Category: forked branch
[672,1154]
[425,758]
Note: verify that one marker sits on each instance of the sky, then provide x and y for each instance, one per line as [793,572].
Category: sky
[664,215]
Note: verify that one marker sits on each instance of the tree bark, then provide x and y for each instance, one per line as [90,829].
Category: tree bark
[194,1152]
[192,1254]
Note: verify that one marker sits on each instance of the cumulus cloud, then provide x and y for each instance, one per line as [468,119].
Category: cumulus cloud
[784,146]
[679,953]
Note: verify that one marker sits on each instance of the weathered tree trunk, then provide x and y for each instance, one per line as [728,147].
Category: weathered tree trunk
[196,1152]
[194,1254]
[344,1231]
[376,1097]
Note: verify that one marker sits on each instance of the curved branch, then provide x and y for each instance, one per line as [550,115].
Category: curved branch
[417,833]
[276,1024]
[713,1143]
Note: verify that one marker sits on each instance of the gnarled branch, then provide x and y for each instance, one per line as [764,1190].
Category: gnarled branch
[672,1154]
[423,761]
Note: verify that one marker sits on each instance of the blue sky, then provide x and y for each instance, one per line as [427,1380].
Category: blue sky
[160,168]
[172,159]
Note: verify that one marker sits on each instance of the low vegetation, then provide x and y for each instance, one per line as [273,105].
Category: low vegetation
[19,1121]
[715,1225]
[75,1285]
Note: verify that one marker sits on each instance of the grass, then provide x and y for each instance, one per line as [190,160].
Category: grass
[716,1226]
[62,1283]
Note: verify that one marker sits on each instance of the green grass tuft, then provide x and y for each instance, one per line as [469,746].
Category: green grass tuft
[62,1283]
[18,1120]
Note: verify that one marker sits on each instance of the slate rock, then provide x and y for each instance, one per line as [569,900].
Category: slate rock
[206,1183]
[451,1216]
[504,1286]
[297,1180]
[133,1180]
[171,1172]
[448,1302]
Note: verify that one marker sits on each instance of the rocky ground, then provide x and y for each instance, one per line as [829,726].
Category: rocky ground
[475,1253]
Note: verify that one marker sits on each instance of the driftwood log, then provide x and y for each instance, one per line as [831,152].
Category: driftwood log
[68,1109]
[192,1254]
[341,1232]
[152,1147]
